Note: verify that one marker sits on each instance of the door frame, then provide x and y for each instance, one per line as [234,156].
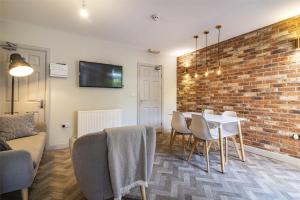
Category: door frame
[139,65]
[47,80]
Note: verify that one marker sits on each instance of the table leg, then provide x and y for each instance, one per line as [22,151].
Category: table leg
[241,142]
[221,149]
[226,150]
[183,145]
[143,192]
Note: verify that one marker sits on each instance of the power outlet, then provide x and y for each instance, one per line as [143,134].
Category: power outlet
[65,125]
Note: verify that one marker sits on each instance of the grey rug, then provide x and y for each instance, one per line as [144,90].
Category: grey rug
[173,178]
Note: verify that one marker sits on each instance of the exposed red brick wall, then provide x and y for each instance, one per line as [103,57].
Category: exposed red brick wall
[260,80]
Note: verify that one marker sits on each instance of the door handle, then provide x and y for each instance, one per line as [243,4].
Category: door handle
[42,104]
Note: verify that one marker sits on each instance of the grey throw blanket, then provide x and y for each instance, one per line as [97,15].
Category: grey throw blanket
[127,158]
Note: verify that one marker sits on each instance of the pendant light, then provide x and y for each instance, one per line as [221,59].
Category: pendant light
[83,11]
[219,31]
[196,38]
[206,33]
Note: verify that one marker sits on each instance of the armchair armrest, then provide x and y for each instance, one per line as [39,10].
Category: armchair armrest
[16,170]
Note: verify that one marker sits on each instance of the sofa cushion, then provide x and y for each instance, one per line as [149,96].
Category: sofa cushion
[4,146]
[34,145]
[16,126]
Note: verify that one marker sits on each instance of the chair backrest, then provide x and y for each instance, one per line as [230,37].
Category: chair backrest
[208,111]
[229,113]
[178,123]
[231,127]
[199,128]
[90,163]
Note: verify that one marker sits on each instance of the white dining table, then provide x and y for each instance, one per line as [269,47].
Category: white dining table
[219,121]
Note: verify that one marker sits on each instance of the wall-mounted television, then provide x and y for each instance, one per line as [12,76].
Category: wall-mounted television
[100,75]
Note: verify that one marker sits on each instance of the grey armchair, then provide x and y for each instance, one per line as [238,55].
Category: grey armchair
[90,163]
[16,171]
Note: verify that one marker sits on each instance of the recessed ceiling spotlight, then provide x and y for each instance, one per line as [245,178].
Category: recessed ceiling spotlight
[83,11]
[154,17]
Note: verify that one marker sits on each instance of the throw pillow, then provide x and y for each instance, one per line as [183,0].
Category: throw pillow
[16,126]
[4,146]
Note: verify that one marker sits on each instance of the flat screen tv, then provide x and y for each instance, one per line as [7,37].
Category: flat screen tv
[100,75]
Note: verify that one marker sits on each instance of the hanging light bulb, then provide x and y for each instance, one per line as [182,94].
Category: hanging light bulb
[219,31]
[206,73]
[196,38]
[83,11]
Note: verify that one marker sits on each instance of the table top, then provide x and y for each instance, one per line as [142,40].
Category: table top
[220,119]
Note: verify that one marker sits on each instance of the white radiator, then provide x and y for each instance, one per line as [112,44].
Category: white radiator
[96,120]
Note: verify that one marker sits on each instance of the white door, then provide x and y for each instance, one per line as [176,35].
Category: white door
[29,95]
[150,98]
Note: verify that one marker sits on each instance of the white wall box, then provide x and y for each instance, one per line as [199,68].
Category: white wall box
[58,70]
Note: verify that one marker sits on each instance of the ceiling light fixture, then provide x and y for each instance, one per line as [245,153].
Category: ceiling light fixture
[154,17]
[83,11]
[219,32]
[206,33]
[196,38]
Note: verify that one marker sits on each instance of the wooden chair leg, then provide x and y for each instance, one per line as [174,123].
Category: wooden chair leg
[143,192]
[206,154]
[171,136]
[241,142]
[226,150]
[193,149]
[236,147]
[172,140]
[190,140]
[209,145]
[183,145]
[24,194]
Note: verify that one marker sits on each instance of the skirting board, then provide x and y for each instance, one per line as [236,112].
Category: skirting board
[270,154]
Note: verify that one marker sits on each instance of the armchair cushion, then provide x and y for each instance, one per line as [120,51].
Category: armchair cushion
[34,145]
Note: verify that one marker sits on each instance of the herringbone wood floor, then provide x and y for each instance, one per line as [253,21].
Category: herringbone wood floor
[258,178]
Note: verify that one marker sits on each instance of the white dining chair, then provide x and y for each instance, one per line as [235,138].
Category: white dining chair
[179,127]
[208,111]
[202,133]
[233,130]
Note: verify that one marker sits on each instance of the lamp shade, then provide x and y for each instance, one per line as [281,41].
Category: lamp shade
[18,66]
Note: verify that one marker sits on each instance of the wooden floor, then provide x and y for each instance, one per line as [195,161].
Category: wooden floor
[258,178]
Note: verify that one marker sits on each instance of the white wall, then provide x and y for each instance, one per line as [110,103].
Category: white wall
[65,95]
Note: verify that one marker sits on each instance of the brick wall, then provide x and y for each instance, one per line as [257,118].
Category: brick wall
[260,80]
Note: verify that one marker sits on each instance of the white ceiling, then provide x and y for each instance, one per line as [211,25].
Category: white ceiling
[128,21]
